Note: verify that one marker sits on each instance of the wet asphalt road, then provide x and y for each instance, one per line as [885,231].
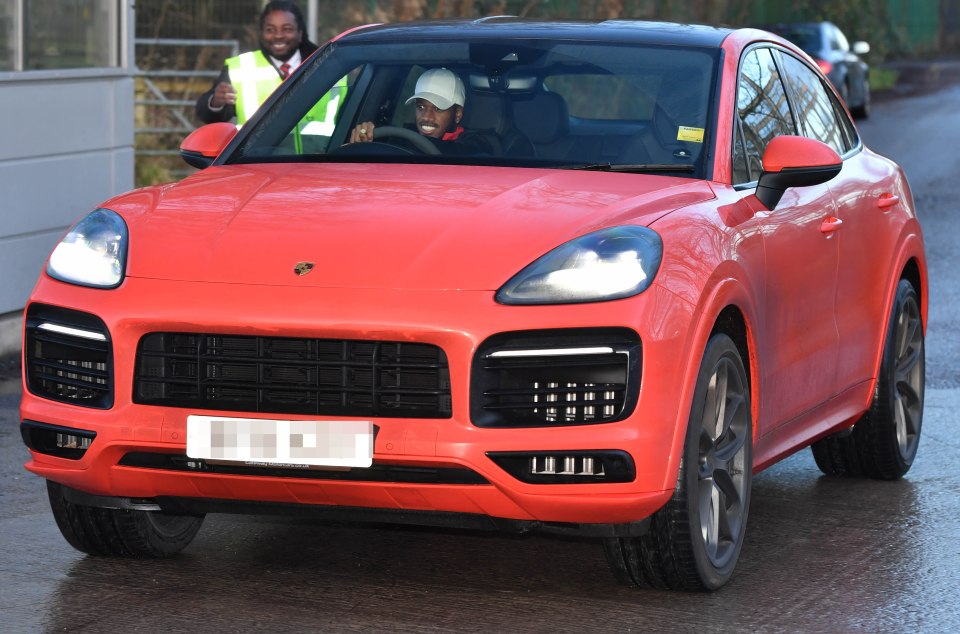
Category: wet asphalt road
[821,554]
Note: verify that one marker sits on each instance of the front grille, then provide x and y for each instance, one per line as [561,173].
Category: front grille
[67,357]
[560,377]
[293,376]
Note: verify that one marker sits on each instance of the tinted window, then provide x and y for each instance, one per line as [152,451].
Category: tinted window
[814,106]
[763,111]
[71,34]
[569,103]
[8,40]
[624,97]
[850,136]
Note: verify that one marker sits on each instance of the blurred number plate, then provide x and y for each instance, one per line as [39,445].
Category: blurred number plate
[294,443]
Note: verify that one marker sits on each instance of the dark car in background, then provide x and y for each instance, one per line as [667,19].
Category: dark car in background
[838,59]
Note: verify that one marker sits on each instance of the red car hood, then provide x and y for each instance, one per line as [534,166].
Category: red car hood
[379,226]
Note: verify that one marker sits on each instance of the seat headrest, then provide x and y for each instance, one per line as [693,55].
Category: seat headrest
[484,111]
[544,118]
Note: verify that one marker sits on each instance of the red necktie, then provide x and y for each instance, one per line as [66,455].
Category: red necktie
[284,70]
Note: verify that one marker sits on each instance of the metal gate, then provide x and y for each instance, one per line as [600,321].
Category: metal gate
[165,101]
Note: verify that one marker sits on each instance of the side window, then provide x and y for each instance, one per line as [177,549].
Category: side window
[814,107]
[740,172]
[851,137]
[763,111]
[403,116]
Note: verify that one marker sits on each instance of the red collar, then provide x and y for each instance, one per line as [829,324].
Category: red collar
[452,136]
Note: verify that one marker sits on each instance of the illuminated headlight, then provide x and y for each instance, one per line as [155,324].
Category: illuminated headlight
[93,253]
[604,265]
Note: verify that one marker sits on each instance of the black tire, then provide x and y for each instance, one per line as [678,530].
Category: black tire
[122,533]
[883,443]
[863,110]
[694,541]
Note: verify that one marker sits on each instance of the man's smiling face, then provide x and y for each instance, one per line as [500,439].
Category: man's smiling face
[433,122]
[280,34]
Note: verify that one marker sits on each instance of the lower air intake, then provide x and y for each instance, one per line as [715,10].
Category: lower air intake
[68,357]
[551,378]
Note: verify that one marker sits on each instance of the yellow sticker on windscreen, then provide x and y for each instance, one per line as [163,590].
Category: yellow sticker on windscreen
[694,135]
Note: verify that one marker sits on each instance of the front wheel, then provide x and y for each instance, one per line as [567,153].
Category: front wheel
[120,532]
[883,443]
[694,541]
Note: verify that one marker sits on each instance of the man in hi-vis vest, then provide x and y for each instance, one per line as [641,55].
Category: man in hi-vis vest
[248,79]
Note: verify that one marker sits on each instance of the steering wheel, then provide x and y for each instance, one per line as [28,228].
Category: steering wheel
[414,138]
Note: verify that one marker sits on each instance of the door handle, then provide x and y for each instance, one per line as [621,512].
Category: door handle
[830,225]
[887,200]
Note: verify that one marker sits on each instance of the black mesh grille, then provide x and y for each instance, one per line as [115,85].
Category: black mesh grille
[295,376]
[565,377]
[68,357]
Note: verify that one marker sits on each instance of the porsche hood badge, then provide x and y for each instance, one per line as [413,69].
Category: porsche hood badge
[302,268]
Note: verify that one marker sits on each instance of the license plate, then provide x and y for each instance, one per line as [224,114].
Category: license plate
[293,443]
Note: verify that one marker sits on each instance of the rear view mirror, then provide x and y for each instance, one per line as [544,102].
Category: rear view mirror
[794,161]
[205,143]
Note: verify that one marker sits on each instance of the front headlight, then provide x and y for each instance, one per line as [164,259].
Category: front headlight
[93,253]
[603,265]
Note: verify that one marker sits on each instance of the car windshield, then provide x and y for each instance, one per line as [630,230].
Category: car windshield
[537,103]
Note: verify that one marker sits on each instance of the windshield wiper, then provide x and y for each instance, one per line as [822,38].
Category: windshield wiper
[627,167]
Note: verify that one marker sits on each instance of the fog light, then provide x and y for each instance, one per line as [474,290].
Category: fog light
[53,440]
[69,441]
[567,467]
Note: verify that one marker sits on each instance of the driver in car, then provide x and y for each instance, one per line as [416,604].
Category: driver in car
[439,100]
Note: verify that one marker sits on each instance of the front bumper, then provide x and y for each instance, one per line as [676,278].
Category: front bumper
[470,482]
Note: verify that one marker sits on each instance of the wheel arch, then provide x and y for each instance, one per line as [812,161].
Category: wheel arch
[910,264]
[732,323]
[726,310]
[913,274]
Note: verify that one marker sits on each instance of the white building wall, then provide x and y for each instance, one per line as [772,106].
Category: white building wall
[66,144]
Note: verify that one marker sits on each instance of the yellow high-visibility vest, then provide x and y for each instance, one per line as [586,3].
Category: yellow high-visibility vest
[254,78]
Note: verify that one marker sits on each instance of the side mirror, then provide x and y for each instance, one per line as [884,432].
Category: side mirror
[206,142]
[795,161]
[860,48]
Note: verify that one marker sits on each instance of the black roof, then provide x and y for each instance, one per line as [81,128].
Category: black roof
[508,27]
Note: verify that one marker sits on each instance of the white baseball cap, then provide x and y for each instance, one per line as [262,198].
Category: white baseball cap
[441,87]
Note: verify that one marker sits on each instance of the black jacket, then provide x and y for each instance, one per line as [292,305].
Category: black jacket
[229,111]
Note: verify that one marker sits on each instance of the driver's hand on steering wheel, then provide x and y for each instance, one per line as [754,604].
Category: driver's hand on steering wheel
[362,133]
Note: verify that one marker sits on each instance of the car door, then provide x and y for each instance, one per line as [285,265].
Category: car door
[866,201]
[798,337]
